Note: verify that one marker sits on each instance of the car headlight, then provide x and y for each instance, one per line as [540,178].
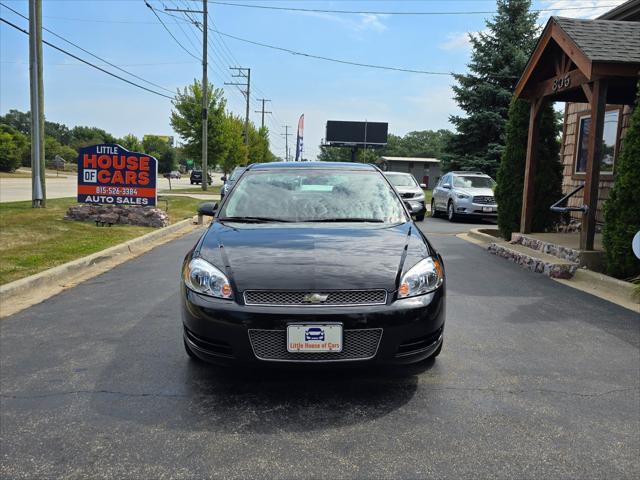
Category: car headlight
[462,195]
[424,277]
[419,195]
[202,277]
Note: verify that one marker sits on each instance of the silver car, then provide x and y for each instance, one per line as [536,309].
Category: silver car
[410,191]
[464,194]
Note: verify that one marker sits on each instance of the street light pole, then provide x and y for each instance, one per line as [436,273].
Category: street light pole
[205,105]
[35,71]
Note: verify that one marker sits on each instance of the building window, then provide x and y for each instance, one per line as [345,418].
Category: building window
[609,139]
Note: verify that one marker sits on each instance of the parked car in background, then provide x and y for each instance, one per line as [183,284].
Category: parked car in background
[230,181]
[410,191]
[175,174]
[459,194]
[196,177]
[312,263]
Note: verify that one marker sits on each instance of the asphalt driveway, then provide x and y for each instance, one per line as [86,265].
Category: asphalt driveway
[536,380]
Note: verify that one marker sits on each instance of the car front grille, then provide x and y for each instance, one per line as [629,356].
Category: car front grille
[407,195]
[306,298]
[486,200]
[361,344]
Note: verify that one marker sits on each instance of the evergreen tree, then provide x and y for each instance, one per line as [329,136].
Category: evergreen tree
[621,212]
[498,58]
[548,173]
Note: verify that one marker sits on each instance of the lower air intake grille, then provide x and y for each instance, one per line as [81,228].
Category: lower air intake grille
[486,200]
[356,345]
[328,298]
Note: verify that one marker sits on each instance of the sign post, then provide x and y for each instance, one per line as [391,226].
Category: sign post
[109,174]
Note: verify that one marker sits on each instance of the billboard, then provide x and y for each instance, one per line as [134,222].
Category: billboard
[110,174]
[341,133]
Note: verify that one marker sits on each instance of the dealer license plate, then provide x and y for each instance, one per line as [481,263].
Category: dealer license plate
[314,338]
[487,209]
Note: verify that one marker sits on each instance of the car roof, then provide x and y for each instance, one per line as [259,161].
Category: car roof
[470,174]
[398,173]
[312,165]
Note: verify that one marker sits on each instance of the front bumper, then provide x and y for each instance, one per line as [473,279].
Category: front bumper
[478,209]
[224,332]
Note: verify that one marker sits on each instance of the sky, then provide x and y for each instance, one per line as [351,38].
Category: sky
[126,33]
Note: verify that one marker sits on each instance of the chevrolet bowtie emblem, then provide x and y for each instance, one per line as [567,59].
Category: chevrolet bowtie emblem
[315,298]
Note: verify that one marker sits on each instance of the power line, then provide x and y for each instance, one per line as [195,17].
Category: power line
[168,31]
[344,62]
[90,53]
[378,12]
[62,50]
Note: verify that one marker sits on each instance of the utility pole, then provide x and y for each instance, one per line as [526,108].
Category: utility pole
[35,76]
[205,88]
[263,100]
[242,72]
[286,136]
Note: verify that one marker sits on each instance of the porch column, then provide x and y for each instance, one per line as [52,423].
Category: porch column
[526,219]
[598,103]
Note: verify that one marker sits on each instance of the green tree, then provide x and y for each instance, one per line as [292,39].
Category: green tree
[14,146]
[52,148]
[259,145]
[130,142]
[159,148]
[236,151]
[84,136]
[21,121]
[548,174]
[497,60]
[621,212]
[425,143]
[186,120]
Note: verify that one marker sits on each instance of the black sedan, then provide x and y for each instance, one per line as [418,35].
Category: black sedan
[312,263]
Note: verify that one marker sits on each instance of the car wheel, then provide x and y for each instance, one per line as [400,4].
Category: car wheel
[420,218]
[191,183]
[190,352]
[434,212]
[451,215]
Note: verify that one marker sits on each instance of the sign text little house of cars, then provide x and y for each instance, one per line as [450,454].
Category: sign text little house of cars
[110,174]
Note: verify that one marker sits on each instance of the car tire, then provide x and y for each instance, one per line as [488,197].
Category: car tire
[420,218]
[434,212]
[451,215]
[191,183]
[192,355]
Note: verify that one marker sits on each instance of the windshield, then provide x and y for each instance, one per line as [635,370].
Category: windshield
[236,173]
[305,195]
[401,179]
[473,182]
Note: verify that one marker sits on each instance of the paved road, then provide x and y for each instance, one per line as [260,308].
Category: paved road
[19,189]
[536,380]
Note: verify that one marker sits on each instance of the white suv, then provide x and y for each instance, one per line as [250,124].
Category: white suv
[464,193]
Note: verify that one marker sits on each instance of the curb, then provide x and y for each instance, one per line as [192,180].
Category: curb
[481,236]
[64,273]
[608,288]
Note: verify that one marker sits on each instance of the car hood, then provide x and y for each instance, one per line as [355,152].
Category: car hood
[409,190]
[332,257]
[485,192]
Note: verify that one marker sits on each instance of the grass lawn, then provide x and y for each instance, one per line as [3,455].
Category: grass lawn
[14,175]
[210,191]
[34,240]
[427,197]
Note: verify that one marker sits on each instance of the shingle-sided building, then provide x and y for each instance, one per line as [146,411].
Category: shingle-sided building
[425,170]
[593,66]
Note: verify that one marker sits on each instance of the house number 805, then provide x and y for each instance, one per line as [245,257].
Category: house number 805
[561,83]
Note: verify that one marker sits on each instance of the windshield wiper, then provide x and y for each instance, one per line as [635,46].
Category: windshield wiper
[252,219]
[354,219]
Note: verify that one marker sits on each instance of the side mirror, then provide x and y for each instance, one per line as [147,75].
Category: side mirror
[223,178]
[208,208]
[447,186]
[423,185]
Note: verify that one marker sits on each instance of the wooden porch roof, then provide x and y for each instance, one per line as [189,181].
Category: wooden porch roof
[572,52]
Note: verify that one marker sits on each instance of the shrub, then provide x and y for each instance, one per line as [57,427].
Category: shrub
[548,175]
[622,209]
[13,147]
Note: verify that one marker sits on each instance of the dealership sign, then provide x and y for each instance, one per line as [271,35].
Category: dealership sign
[110,174]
